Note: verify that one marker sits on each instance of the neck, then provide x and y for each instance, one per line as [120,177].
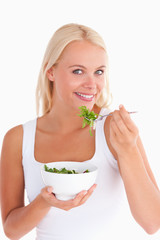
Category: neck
[65,120]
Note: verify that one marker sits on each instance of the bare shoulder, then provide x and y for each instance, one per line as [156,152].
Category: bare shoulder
[16,131]
[107,135]
[12,142]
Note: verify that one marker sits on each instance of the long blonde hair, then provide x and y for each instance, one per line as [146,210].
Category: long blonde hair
[61,38]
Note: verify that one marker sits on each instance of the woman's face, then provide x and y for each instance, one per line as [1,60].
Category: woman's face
[79,76]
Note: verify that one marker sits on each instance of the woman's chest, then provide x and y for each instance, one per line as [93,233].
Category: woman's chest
[55,147]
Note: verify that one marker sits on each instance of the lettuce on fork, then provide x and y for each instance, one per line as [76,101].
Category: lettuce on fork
[88,118]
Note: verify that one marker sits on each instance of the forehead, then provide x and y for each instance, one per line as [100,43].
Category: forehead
[83,52]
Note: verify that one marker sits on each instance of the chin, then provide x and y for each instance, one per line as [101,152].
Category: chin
[88,105]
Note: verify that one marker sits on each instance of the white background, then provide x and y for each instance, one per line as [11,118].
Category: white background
[131,32]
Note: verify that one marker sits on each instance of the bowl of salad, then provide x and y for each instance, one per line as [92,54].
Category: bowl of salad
[68,178]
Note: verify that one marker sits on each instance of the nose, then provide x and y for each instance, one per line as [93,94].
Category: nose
[90,82]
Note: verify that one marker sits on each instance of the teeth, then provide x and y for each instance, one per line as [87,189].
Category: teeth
[86,96]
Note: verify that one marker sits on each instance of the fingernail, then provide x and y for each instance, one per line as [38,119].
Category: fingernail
[85,192]
[120,106]
[49,189]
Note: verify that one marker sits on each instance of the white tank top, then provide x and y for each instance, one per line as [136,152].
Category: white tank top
[94,217]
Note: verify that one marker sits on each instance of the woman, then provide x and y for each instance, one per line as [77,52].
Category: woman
[74,72]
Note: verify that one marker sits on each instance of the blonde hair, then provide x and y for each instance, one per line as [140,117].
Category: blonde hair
[61,38]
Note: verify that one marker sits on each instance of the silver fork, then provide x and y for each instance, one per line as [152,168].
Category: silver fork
[100,117]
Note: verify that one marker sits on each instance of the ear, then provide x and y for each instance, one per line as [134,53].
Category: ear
[50,74]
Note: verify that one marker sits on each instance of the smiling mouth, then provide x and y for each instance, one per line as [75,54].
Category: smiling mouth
[86,96]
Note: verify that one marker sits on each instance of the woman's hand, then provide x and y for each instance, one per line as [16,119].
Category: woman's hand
[52,201]
[123,131]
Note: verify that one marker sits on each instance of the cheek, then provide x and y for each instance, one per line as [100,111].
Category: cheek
[61,80]
[65,84]
[101,83]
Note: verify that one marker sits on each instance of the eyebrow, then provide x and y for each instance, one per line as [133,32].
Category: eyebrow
[81,66]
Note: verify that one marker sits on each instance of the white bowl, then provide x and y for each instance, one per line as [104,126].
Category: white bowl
[66,186]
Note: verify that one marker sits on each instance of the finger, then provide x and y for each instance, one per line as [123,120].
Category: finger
[47,190]
[127,119]
[47,193]
[119,122]
[76,201]
[114,130]
[89,193]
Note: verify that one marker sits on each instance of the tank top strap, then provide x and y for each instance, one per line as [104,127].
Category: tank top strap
[29,129]
[101,143]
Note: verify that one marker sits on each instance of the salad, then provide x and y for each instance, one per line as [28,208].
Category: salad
[62,170]
[88,118]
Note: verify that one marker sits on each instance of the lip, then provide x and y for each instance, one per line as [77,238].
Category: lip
[86,93]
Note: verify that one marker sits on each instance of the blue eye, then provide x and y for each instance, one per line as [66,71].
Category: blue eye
[77,71]
[99,72]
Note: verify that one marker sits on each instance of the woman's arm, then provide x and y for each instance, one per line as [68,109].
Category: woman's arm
[140,185]
[17,218]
